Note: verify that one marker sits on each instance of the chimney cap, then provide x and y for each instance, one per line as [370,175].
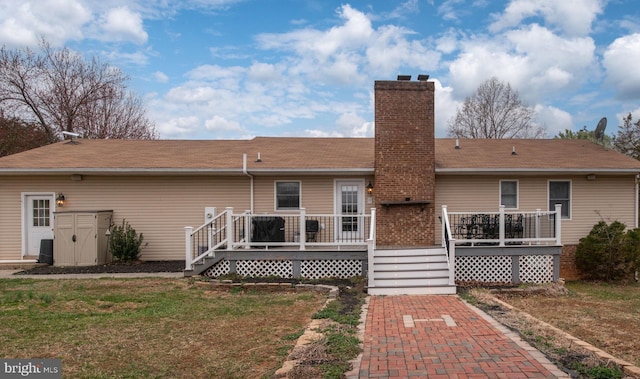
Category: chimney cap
[423,77]
[404,77]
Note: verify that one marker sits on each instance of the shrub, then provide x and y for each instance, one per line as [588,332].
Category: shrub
[609,253]
[125,244]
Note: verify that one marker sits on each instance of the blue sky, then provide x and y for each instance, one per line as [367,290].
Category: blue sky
[213,69]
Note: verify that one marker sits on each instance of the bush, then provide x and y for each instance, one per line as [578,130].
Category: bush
[609,253]
[125,244]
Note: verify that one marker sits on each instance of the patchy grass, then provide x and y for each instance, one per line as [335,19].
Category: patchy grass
[604,315]
[151,328]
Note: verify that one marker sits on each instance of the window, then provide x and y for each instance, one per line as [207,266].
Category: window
[41,214]
[287,195]
[560,193]
[509,193]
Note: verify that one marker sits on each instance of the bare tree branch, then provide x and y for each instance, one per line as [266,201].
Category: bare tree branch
[494,111]
[60,91]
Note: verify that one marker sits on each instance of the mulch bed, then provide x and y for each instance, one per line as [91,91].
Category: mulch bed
[114,267]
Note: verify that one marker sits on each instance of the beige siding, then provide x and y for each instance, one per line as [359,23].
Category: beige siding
[608,197]
[158,207]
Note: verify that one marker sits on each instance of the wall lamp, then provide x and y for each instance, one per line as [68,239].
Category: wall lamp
[60,200]
[369,188]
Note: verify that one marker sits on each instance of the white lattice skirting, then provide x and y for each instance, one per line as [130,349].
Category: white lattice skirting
[330,268]
[536,268]
[311,269]
[490,269]
[497,269]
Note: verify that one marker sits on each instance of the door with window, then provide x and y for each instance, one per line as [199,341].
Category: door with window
[38,222]
[350,211]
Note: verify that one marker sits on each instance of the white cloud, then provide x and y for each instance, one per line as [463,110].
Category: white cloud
[445,108]
[22,23]
[178,127]
[121,24]
[535,61]
[621,63]
[554,120]
[161,77]
[352,125]
[573,17]
[220,124]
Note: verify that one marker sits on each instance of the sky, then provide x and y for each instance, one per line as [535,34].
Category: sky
[236,69]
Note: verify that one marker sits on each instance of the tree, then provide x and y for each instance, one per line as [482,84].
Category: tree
[494,111]
[627,141]
[58,90]
[583,134]
[17,136]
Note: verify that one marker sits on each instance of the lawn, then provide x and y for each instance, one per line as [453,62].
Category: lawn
[160,328]
[604,315]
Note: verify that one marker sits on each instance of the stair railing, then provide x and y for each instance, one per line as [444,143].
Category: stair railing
[204,240]
[449,243]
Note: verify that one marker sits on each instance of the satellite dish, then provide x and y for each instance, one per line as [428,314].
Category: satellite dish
[599,132]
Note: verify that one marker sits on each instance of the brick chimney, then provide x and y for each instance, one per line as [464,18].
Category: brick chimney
[404,163]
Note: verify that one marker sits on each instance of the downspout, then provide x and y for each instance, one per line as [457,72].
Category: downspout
[244,171]
[636,199]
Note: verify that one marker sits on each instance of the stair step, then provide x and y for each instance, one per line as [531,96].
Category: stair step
[410,252]
[410,282]
[411,274]
[384,267]
[410,259]
[435,290]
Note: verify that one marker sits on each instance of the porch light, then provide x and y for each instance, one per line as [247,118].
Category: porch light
[60,200]
[369,188]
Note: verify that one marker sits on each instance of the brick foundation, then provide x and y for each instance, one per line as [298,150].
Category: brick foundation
[404,163]
[568,269]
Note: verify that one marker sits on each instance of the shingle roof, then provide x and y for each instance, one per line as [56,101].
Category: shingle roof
[531,155]
[285,154]
[281,154]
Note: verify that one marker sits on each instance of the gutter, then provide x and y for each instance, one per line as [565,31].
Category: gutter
[244,171]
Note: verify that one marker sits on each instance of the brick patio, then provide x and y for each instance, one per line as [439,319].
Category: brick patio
[442,337]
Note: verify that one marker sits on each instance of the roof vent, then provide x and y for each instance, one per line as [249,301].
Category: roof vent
[513,151]
[457,144]
[404,77]
[259,159]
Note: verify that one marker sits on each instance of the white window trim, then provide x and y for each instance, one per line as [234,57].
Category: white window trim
[570,196]
[275,196]
[517,192]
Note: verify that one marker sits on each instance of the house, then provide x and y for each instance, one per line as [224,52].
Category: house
[330,197]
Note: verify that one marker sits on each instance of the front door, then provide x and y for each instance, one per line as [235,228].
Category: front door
[349,208]
[38,221]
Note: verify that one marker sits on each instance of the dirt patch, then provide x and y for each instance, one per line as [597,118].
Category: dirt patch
[521,314]
[114,267]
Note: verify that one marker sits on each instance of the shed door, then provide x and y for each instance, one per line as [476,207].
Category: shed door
[86,239]
[63,246]
[38,222]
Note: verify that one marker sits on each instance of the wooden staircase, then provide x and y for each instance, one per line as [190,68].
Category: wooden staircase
[414,271]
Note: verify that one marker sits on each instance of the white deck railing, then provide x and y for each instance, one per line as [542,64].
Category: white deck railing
[504,228]
[230,231]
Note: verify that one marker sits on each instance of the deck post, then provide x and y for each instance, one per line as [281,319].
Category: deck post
[212,229]
[303,228]
[538,215]
[370,253]
[501,226]
[229,227]
[452,262]
[187,247]
[558,222]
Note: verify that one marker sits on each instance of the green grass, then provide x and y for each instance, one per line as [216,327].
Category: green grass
[151,328]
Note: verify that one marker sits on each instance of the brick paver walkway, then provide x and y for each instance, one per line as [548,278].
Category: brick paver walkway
[442,337]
